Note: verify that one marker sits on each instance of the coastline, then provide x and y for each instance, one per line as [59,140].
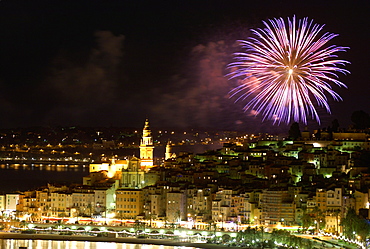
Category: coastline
[165,242]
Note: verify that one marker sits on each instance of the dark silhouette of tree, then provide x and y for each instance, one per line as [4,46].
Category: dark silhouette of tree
[318,134]
[361,119]
[307,221]
[330,131]
[354,225]
[335,125]
[318,218]
[363,229]
[365,159]
[294,131]
[285,237]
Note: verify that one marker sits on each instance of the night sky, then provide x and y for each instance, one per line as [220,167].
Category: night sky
[114,63]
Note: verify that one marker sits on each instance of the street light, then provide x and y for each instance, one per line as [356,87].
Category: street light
[189,220]
[222,221]
[150,219]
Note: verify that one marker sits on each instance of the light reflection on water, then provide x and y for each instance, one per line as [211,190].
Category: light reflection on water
[47,167]
[54,244]
[31,176]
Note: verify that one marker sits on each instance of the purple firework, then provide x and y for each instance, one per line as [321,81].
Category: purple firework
[285,69]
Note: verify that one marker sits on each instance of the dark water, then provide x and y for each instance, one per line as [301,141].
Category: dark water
[15,177]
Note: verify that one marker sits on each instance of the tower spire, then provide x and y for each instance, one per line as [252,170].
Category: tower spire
[146,147]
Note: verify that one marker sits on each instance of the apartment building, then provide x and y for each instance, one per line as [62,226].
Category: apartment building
[83,202]
[277,207]
[11,201]
[176,205]
[129,203]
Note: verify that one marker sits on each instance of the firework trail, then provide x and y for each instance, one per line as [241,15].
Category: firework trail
[286,70]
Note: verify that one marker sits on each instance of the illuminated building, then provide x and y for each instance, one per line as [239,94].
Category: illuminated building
[277,207]
[83,201]
[146,147]
[221,205]
[361,200]
[133,176]
[333,210]
[104,200]
[60,203]
[169,154]
[112,168]
[155,205]
[129,203]
[130,171]
[321,199]
[11,201]
[2,202]
[201,202]
[155,200]
[27,204]
[176,205]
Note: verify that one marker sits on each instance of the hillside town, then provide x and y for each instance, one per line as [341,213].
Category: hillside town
[313,182]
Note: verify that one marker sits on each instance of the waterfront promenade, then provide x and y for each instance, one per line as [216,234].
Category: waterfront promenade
[167,242]
[155,236]
[321,243]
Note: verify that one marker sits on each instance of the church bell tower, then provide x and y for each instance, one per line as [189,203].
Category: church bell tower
[146,147]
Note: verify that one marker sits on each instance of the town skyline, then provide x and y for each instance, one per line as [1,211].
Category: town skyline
[310,182]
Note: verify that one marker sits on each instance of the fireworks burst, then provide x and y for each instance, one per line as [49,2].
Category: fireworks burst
[286,70]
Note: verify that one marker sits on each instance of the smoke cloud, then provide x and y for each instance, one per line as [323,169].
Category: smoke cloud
[87,90]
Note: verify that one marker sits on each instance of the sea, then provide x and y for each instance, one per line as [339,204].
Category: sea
[53,244]
[21,177]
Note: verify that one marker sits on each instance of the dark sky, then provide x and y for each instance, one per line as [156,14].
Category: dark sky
[114,63]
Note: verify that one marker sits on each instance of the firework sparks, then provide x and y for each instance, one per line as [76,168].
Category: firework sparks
[286,71]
